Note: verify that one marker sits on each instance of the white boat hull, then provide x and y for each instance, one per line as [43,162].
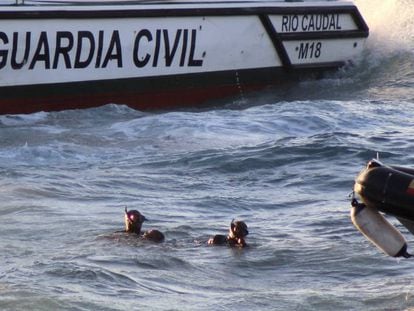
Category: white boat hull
[81,56]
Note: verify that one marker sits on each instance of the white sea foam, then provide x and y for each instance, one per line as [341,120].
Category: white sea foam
[23,119]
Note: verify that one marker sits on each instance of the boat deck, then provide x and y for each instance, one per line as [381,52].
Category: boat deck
[164,3]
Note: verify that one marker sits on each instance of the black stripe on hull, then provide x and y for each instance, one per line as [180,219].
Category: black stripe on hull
[276,41]
[176,11]
[171,11]
[262,12]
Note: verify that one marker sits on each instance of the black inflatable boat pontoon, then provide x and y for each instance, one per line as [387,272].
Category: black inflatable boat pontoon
[386,189]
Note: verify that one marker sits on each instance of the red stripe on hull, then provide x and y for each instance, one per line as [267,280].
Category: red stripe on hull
[163,99]
[410,191]
[154,93]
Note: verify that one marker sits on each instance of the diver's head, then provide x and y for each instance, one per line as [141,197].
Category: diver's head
[133,221]
[238,231]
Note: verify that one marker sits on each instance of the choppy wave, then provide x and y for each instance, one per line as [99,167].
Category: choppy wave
[285,167]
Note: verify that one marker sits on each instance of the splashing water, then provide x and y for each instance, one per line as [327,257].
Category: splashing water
[390,23]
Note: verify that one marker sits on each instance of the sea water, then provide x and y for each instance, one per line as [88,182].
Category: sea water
[282,160]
